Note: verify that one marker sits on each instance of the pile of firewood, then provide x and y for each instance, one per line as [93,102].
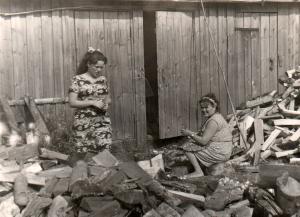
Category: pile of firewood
[269,125]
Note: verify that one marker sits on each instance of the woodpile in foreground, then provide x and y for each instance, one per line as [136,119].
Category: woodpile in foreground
[261,179]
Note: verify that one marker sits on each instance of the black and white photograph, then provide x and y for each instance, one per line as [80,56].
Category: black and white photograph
[149,108]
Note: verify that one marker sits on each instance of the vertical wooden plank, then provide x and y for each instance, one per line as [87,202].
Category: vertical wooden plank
[126,76]
[47,59]
[240,59]
[283,18]
[265,49]
[222,31]
[19,46]
[96,35]
[247,52]
[197,39]
[6,58]
[255,56]
[213,64]
[139,77]
[114,72]
[193,122]
[34,41]
[204,42]
[82,30]
[293,38]
[58,59]
[187,48]
[232,63]
[170,75]
[273,51]
[69,51]
[160,20]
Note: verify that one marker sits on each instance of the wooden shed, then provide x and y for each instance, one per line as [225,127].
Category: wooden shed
[167,42]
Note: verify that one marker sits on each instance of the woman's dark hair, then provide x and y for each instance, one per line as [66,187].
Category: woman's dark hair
[211,99]
[91,58]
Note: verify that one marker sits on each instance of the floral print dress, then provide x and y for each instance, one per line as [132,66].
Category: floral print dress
[92,127]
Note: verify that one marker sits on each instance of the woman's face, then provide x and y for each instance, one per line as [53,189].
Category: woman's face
[207,109]
[95,70]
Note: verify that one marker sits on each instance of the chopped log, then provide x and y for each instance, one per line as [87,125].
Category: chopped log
[187,197]
[287,92]
[259,101]
[270,139]
[286,153]
[288,194]
[36,206]
[152,166]
[45,153]
[47,164]
[131,197]
[36,114]
[165,210]
[287,122]
[96,170]
[20,154]
[61,187]
[60,172]
[33,168]
[244,212]
[192,211]
[152,213]
[110,209]
[83,214]
[8,208]
[92,204]
[21,190]
[79,174]
[106,159]
[270,172]
[239,204]
[47,190]
[31,178]
[58,207]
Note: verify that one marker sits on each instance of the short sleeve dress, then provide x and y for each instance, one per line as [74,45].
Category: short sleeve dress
[219,147]
[92,126]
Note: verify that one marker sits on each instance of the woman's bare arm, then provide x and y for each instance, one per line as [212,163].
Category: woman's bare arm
[75,103]
[210,131]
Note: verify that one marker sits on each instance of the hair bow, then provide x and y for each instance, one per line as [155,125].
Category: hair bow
[92,50]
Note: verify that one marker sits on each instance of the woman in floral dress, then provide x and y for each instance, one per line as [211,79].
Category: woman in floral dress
[89,94]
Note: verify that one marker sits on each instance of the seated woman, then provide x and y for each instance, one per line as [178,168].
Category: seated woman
[213,143]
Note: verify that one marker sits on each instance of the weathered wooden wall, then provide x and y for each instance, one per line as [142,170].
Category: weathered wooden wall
[39,53]
[256,44]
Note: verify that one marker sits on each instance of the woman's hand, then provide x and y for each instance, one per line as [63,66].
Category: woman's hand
[186,132]
[99,104]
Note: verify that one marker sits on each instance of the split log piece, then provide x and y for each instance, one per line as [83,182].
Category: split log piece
[270,139]
[286,153]
[45,153]
[21,190]
[58,207]
[79,173]
[106,159]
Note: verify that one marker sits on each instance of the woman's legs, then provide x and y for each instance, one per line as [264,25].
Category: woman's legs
[198,171]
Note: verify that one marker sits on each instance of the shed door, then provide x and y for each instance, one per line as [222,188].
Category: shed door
[256,47]
[174,32]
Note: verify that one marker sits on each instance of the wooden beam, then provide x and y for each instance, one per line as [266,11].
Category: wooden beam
[36,114]
[287,122]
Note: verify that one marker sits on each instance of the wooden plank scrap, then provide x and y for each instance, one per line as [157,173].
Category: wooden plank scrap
[295,136]
[270,139]
[287,122]
[286,153]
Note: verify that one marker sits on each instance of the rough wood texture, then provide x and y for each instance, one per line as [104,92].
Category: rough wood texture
[79,174]
[36,206]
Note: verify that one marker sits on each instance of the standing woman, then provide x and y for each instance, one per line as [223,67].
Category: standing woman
[213,143]
[89,94]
